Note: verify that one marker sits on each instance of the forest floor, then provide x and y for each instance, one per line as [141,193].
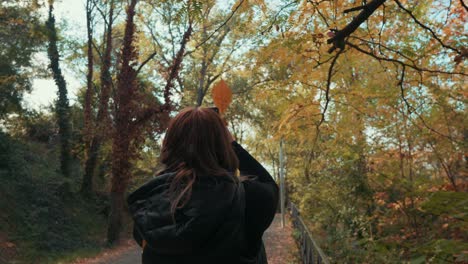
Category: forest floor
[279,243]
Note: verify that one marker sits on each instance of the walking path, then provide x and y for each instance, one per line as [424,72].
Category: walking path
[279,244]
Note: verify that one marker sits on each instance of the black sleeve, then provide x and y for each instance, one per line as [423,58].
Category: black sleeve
[137,236]
[261,195]
[248,165]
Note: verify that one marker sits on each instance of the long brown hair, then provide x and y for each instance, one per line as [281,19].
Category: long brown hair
[196,144]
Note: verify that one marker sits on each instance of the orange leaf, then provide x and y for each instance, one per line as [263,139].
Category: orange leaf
[222,96]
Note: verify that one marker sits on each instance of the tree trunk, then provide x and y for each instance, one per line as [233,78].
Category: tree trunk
[204,66]
[87,185]
[120,177]
[201,90]
[122,152]
[115,217]
[126,121]
[90,165]
[102,120]
[89,77]
[62,108]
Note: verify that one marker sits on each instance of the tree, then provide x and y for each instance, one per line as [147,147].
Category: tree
[133,111]
[216,43]
[365,115]
[21,36]
[96,127]
[62,107]
[125,104]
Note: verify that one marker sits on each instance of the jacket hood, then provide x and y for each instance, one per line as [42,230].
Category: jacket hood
[210,223]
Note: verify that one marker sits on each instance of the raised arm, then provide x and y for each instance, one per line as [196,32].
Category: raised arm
[248,165]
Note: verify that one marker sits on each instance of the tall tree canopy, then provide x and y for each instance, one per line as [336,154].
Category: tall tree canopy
[21,36]
[371,101]
[369,98]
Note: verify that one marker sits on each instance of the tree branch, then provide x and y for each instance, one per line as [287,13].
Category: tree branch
[417,68]
[426,28]
[464,5]
[354,9]
[354,24]
[275,17]
[150,57]
[218,28]
[174,69]
[402,90]
[173,75]
[327,91]
[97,50]
[318,11]
[412,110]
[103,14]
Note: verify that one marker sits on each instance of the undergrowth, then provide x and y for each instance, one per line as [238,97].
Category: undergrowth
[43,217]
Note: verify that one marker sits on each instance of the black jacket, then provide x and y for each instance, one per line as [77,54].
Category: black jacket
[222,223]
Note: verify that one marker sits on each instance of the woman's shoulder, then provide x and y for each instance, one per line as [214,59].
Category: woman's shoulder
[156,182]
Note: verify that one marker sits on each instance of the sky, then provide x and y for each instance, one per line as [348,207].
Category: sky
[44,91]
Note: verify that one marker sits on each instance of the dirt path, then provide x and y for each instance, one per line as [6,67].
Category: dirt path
[279,244]
[126,253]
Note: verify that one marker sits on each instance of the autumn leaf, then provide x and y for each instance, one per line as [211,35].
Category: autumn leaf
[222,96]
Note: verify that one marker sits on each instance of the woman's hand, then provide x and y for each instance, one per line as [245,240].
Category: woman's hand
[231,138]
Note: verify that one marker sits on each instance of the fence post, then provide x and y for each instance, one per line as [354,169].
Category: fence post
[281,161]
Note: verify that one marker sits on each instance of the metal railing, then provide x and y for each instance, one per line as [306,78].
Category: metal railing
[309,249]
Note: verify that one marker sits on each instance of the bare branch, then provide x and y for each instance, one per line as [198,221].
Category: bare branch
[97,50]
[464,5]
[275,17]
[172,76]
[402,90]
[327,91]
[385,48]
[150,57]
[218,28]
[153,36]
[103,14]
[426,28]
[318,11]
[415,67]
[354,9]
[412,110]
[367,11]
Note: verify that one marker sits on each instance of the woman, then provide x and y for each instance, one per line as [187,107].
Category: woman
[197,210]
